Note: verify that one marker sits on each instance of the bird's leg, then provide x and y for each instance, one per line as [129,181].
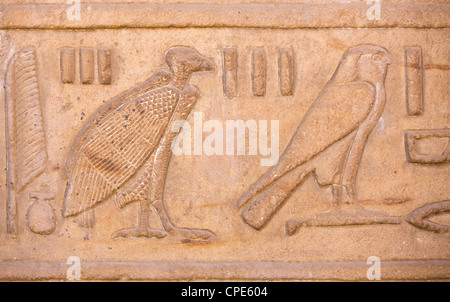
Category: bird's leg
[336,199]
[160,167]
[337,191]
[349,183]
[352,194]
[185,233]
[354,157]
[143,229]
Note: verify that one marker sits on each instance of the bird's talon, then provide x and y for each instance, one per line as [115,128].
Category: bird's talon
[193,235]
[139,232]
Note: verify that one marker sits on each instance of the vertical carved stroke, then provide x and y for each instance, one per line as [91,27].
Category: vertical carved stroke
[67,65]
[259,71]
[26,154]
[286,71]
[87,65]
[414,80]
[104,66]
[230,72]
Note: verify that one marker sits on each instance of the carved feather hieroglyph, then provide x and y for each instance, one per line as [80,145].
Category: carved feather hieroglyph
[26,150]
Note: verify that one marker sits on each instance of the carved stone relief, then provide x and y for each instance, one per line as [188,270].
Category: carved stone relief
[134,140]
[26,153]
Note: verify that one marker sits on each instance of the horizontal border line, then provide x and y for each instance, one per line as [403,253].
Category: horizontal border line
[277,16]
[353,271]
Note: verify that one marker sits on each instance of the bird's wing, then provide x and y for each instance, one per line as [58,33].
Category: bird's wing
[336,112]
[138,188]
[117,148]
[159,79]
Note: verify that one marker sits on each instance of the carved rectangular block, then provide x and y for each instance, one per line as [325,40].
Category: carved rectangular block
[87,65]
[67,58]
[428,146]
[286,71]
[230,72]
[259,71]
[315,171]
[104,66]
[414,80]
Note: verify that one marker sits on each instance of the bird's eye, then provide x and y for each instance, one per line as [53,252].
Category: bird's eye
[376,57]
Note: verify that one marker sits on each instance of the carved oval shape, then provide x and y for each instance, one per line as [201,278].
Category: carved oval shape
[420,217]
[41,218]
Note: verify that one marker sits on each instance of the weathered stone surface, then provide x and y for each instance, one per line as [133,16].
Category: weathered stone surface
[345,156]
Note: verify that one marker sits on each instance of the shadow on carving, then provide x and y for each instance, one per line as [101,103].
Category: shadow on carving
[26,154]
[67,65]
[329,144]
[125,148]
[86,65]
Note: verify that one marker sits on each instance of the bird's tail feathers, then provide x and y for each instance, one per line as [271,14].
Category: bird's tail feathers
[272,175]
[87,219]
[266,204]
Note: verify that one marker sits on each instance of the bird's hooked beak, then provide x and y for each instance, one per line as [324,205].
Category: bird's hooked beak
[388,60]
[207,64]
